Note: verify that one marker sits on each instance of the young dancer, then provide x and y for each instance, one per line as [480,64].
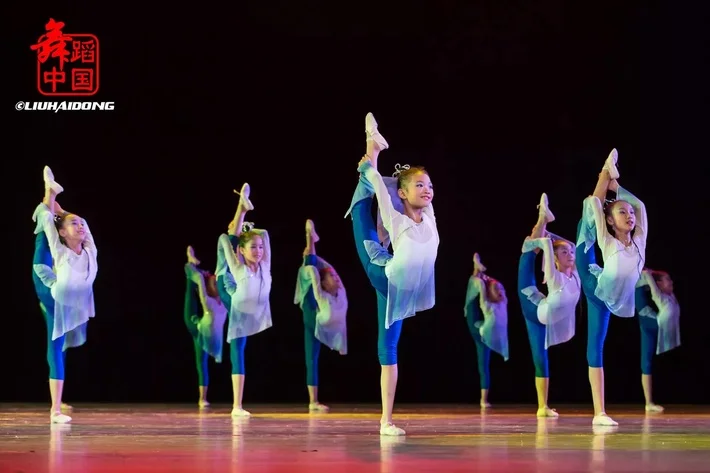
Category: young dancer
[206,330]
[620,228]
[659,318]
[322,298]
[486,313]
[245,289]
[403,280]
[549,319]
[64,270]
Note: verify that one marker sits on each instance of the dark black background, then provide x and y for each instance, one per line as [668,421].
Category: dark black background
[499,102]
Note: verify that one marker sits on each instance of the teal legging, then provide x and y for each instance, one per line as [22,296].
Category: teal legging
[310,309]
[649,328]
[483,353]
[191,313]
[536,330]
[236,346]
[364,229]
[597,312]
[55,354]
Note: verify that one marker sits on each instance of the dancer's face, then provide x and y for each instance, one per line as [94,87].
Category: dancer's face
[253,250]
[564,256]
[72,229]
[418,191]
[665,283]
[330,281]
[621,217]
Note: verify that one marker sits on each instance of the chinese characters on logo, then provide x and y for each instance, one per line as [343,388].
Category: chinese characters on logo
[67,64]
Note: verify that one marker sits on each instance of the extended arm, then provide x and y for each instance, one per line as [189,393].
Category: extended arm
[229,256]
[384,201]
[656,293]
[46,218]
[639,210]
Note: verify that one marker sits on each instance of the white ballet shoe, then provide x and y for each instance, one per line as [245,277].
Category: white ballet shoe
[477,263]
[654,408]
[49,182]
[547,412]
[485,405]
[373,134]
[391,430]
[239,412]
[59,418]
[545,211]
[605,420]
[610,164]
[311,230]
[244,197]
[317,407]
[203,404]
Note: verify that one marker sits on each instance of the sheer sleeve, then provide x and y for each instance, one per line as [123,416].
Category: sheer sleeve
[89,243]
[230,257]
[384,201]
[46,219]
[640,211]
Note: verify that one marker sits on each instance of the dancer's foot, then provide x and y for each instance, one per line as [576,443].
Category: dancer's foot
[311,231]
[547,412]
[244,197]
[545,213]
[50,183]
[317,407]
[203,404]
[239,412]
[373,133]
[605,420]
[610,164]
[477,263]
[66,407]
[485,405]
[390,429]
[654,408]
[59,418]
[191,256]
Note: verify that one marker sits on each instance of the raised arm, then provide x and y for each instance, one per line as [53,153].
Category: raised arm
[229,256]
[267,245]
[384,201]
[595,207]
[46,219]
[656,294]
[639,210]
[89,240]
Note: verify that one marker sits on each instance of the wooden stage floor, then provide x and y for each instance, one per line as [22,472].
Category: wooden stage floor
[113,438]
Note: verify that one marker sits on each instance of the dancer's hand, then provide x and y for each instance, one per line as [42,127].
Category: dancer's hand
[365,159]
[614,185]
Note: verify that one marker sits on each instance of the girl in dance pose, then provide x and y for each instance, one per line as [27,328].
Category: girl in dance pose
[206,330]
[64,270]
[403,280]
[620,228]
[322,298]
[486,313]
[549,319]
[659,318]
[245,289]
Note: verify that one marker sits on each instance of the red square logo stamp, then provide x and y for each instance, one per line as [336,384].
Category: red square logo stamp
[67,63]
